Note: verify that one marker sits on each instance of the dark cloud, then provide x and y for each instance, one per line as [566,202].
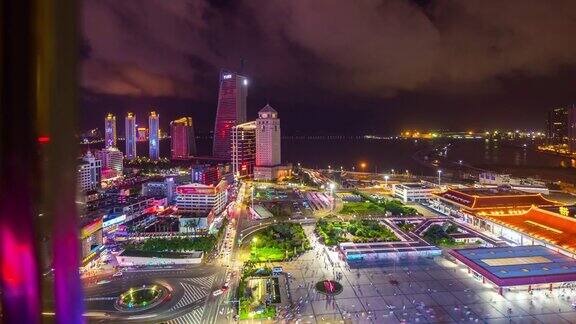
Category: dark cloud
[371,49]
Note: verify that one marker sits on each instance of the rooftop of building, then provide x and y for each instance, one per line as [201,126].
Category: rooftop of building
[247,125]
[267,109]
[350,248]
[543,225]
[519,265]
[494,198]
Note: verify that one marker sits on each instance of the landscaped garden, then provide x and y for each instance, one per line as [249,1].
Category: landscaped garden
[256,291]
[278,242]
[332,231]
[438,235]
[374,206]
[361,208]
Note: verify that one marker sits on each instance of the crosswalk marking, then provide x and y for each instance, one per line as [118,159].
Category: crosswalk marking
[99,298]
[205,282]
[193,317]
[194,289]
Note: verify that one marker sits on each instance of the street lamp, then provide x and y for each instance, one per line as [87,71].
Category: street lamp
[386,177]
[439,177]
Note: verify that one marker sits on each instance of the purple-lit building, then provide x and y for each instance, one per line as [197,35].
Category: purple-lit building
[110,131]
[183,144]
[231,111]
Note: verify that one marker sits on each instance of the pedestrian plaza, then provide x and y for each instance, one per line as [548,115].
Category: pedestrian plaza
[418,290]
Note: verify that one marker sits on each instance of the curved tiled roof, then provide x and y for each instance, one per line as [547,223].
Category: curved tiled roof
[542,225]
[487,199]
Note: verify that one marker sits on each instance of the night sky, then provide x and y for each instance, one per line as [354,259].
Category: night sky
[333,66]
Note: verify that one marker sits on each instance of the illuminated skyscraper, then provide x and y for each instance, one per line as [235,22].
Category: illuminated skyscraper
[243,149]
[231,111]
[130,135]
[558,125]
[110,131]
[268,160]
[268,137]
[154,135]
[183,143]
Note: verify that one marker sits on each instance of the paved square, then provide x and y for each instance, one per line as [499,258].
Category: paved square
[416,291]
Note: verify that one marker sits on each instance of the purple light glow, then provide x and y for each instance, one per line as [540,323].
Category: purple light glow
[67,285]
[18,263]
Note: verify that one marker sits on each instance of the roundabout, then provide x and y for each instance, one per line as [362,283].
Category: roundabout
[329,287]
[141,298]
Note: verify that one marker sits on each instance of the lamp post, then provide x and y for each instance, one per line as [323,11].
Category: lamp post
[386,177]
[439,177]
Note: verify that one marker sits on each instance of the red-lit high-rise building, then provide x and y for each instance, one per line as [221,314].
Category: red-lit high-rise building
[183,141]
[231,111]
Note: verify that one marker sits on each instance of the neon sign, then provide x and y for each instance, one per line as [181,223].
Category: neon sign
[114,221]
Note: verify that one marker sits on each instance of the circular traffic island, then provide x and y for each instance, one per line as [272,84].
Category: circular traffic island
[141,298]
[329,287]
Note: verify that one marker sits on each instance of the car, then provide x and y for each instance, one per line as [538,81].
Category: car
[217,292]
[102,282]
[118,274]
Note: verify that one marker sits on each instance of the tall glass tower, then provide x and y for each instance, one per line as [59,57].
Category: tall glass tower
[110,131]
[130,131]
[154,134]
[231,111]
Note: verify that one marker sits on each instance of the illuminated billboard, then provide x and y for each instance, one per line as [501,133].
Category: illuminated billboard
[91,228]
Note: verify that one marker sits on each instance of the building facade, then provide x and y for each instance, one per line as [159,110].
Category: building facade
[110,131]
[89,172]
[164,188]
[201,199]
[561,125]
[130,135]
[154,135]
[230,112]
[183,142]
[244,149]
[268,159]
[412,191]
[268,137]
[112,159]
[205,174]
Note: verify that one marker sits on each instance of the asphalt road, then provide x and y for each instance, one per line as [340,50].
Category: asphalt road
[190,299]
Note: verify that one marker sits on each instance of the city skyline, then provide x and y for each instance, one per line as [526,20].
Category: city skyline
[495,63]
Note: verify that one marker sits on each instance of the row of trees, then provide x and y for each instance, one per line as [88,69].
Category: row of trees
[394,206]
[333,232]
[287,237]
[177,244]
